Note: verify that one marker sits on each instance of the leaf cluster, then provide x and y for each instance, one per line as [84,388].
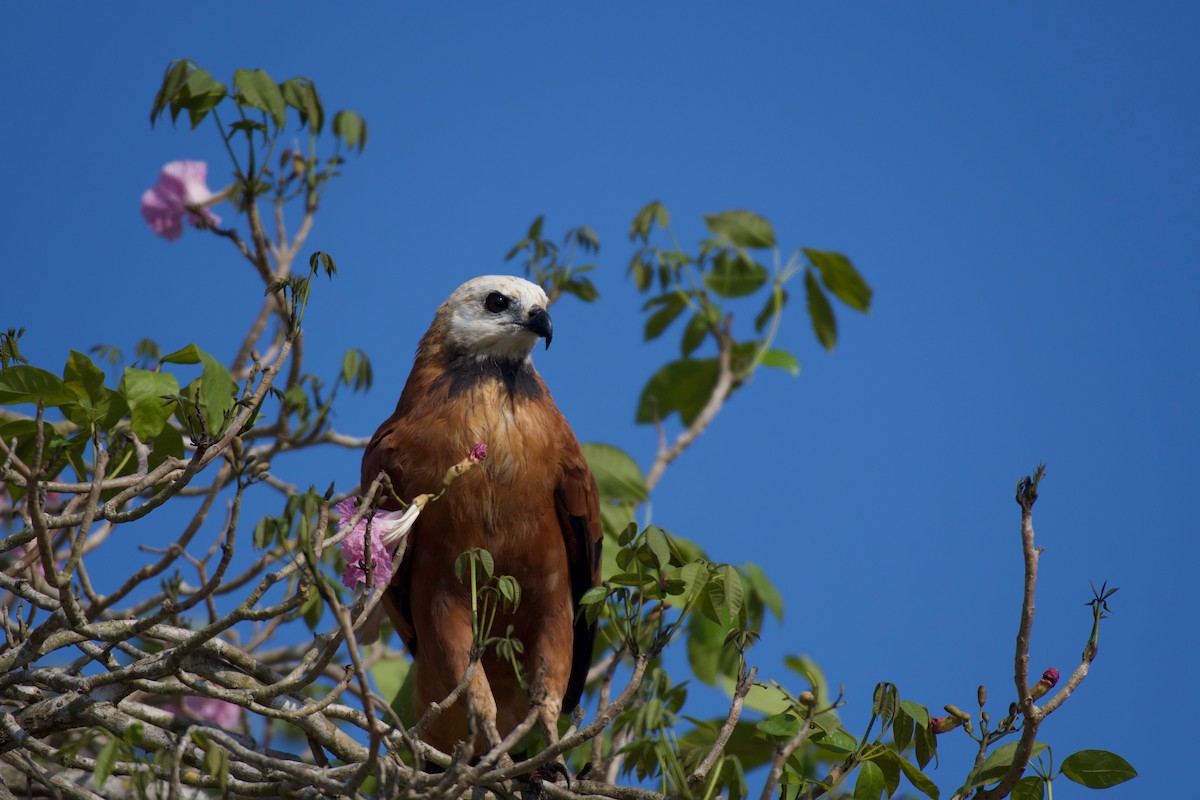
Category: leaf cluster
[705,286]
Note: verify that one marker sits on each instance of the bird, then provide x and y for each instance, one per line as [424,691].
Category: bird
[532,504]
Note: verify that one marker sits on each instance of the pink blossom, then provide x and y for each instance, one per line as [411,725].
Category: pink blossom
[218,712]
[1049,679]
[354,551]
[180,184]
[478,452]
[388,528]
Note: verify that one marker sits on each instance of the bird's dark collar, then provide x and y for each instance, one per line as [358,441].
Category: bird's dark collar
[465,372]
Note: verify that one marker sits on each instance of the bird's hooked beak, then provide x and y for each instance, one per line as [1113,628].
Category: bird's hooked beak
[539,323]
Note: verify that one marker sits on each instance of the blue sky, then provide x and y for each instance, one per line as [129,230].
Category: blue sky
[1019,183]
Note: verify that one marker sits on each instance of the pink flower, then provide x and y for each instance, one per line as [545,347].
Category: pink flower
[388,528]
[478,452]
[218,712]
[1049,679]
[180,184]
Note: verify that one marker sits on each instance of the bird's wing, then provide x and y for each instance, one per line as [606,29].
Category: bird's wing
[577,503]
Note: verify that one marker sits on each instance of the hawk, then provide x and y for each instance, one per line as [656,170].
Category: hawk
[532,504]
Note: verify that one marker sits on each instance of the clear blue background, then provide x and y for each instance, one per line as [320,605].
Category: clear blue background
[1018,181]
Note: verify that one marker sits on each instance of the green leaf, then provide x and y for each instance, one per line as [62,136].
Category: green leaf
[144,392]
[917,778]
[510,590]
[351,128]
[653,213]
[841,278]
[781,359]
[823,321]
[216,763]
[217,387]
[25,384]
[321,260]
[888,765]
[743,228]
[724,594]
[106,759]
[775,303]
[672,305]
[925,744]
[618,476]
[705,648]
[173,79]
[694,334]
[596,594]
[656,541]
[583,288]
[1029,788]
[902,728]
[839,742]
[199,94]
[83,377]
[917,712]
[257,90]
[486,563]
[301,94]
[762,587]
[735,277]
[870,783]
[98,406]
[680,386]
[883,702]
[784,726]
[356,370]
[761,698]
[1097,769]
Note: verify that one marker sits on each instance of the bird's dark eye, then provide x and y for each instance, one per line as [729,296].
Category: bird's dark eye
[496,302]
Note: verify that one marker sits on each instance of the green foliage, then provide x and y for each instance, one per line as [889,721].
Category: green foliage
[10,351]
[553,268]
[260,106]
[1097,769]
[706,286]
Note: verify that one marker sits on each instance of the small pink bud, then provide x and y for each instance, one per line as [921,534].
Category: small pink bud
[1049,679]
[478,453]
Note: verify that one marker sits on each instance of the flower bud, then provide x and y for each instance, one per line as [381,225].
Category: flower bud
[1049,679]
[944,724]
[478,453]
[806,698]
[955,712]
[981,695]
[983,715]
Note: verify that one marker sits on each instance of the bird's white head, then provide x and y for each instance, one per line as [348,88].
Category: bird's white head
[495,316]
